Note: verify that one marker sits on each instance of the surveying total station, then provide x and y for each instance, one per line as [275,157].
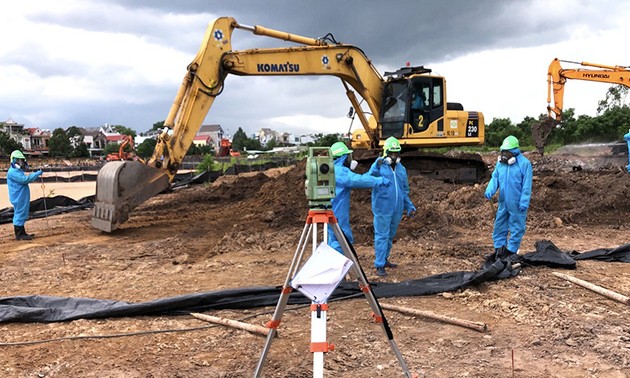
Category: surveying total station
[320,275]
[320,178]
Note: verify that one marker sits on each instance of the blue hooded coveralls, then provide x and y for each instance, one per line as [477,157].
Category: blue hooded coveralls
[388,204]
[515,184]
[345,180]
[19,193]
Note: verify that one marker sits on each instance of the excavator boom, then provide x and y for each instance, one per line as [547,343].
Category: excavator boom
[557,77]
[122,187]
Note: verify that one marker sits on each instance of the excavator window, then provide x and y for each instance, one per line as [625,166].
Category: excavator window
[420,104]
[396,97]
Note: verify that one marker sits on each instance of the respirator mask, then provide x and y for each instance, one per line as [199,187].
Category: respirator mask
[352,164]
[507,157]
[392,158]
[20,164]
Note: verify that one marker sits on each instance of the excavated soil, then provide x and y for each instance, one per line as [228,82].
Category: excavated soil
[242,231]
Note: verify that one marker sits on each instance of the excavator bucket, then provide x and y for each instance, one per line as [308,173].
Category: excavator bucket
[121,186]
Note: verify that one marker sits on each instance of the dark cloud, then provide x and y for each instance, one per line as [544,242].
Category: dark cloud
[393,32]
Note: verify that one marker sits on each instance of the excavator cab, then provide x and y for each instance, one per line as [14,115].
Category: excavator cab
[416,112]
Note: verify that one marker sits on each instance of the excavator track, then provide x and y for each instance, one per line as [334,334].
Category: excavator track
[459,168]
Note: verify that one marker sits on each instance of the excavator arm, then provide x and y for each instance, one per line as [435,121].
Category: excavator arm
[557,77]
[121,186]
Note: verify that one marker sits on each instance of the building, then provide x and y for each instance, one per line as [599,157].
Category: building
[266,135]
[17,132]
[39,141]
[215,132]
[203,140]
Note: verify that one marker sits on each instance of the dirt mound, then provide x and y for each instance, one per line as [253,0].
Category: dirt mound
[242,232]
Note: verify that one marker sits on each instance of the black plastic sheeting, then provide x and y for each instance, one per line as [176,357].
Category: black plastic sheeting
[45,309]
[48,206]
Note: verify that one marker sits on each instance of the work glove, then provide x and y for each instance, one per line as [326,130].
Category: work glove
[39,172]
[385,182]
[522,208]
[411,212]
[488,196]
[379,160]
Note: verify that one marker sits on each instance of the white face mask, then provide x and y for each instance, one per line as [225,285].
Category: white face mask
[353,165]
[16,165]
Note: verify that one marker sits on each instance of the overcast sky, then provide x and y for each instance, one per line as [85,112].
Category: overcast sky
[89,62]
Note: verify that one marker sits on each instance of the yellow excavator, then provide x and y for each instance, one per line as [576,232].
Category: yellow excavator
[557,77]
[409,104]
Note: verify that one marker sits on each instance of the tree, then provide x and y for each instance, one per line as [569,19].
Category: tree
[200,150]
[124,130]
[8,144]
[75,136]
[81,151]
[240,142]
[615,98]
[145,149]
[206,164]
[498,130]
[157,126]
[59,144]
[327,140]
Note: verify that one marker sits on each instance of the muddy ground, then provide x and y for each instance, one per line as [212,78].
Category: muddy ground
[242,231]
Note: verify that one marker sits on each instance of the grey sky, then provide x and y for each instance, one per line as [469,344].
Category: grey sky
[87,63]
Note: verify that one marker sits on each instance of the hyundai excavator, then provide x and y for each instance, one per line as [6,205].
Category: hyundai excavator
[392,103]
[557,78]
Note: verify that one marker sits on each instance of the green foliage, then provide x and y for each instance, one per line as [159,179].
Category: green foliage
[195,150]
[59,144]
[240,142]
[615,98]
[498,130]
[111,148]
[322,140]
[145,149]
[157,126]
[271,145]
[81,151]
[124,130]
[8,144]
[206,164]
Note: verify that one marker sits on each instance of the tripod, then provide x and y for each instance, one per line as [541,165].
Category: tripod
[319,345]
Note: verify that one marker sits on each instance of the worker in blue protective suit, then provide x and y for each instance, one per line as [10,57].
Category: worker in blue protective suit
[19,193]
[512,176]
[345,180]
[389,203]
[627,138]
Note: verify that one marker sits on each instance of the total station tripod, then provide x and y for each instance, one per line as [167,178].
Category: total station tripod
[319,190]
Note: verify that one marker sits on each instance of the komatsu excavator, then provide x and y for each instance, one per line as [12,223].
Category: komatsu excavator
[410,105]
[557,78]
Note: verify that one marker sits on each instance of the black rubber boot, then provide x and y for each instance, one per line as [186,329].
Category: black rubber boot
[20,234]
[29,235]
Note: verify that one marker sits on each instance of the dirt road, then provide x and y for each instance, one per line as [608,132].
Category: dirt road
[242,232]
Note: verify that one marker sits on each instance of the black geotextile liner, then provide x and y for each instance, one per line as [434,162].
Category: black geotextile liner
[48,206]
[29,309]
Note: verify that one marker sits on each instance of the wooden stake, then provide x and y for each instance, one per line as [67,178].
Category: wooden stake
[480,327]
[598,289]
[232,323]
